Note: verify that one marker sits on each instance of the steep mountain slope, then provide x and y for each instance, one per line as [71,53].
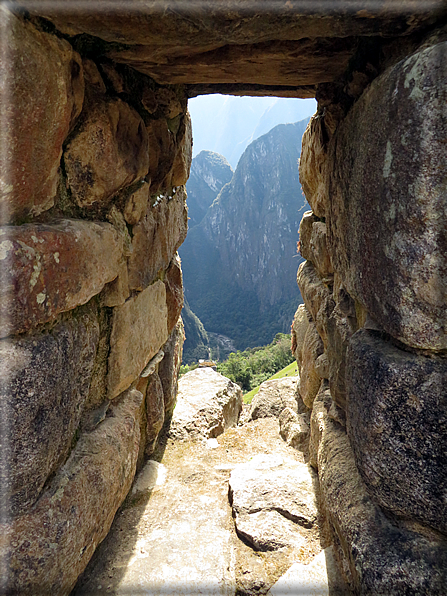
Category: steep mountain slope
[209,172]
[239,264]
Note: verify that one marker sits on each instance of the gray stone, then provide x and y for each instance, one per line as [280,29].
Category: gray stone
[48,547]
[273,396]
[207,404]
[139,330]
[45,381]
[313,244]
[317,297]
[273,502]
[385,227]
[294,428]
[313,167]
[397,425]
[169,367]
[299,328]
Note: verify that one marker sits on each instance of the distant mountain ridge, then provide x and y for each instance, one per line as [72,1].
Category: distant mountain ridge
[239,263]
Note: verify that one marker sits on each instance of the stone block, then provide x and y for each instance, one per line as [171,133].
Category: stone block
[273,396]
[294,428]
[162,150]
[108,152]
[139,330]
[397,425]
[183,156]
[47,548]
[41,95]
[298,331]
[310,380]
[155,411]
[207,404]
[169,367]
[174,292]
[48,269]
[156,238]
[386,227]
[44,383]
[136,205]
[316,295]
[313,166]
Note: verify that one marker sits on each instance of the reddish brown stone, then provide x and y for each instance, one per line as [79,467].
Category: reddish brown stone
[109,152]
[183,157]
[174,292]
[47,548]
[156,239]
[162,151]
[41,94]
[48,269]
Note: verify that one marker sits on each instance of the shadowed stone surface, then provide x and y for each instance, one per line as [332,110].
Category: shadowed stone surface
[169,367]
[48,269]
[41,93]
[174,291]
[397,425]
[47,548]
[207,404]
[45,380]
[139,328]
[386,225]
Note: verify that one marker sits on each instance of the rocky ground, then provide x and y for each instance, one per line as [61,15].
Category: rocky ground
[234,514]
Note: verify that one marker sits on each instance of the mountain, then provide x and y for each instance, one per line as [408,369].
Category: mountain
[209,172]
[227,124]
[239,263]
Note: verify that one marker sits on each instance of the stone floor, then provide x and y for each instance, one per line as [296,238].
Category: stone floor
[175,534]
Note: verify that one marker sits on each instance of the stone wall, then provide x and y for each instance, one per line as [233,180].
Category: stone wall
[371,338]
[93,163]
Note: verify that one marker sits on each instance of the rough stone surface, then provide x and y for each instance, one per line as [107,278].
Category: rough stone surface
[155,408]
[48,269]
[139,329]
[316,295]
[174,291]
[273,500]
[313,167]
[378,554]
[207,404]
[136,205]
[111,133]
[44,383]
[47,548]
[397,425]
[298,331]
[273,396]
[169,367]
[294,428]
[156,238]
[42,90]
[309,378]
[313,244]
[183,156]
[386,225]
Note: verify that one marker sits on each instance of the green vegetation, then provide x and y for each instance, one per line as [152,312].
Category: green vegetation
[289,371]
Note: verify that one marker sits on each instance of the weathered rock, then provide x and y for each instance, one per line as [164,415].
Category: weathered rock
[319,578]
[156,238]
[41,94]
[169,367]
[139,329]
[294,428]
[48,269]
[273,396]
[321,405]
[44,383]
[116,292]
[397,425]
[136,205]
[155,411]
[207,404]
[313,244]
[272,501]
[183,156]
[376,553]
[385,227]
[313,167]
[309,378]
[162,151]
[174,291]
[299,328]
[47,548]
[316,295]
[111,133]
